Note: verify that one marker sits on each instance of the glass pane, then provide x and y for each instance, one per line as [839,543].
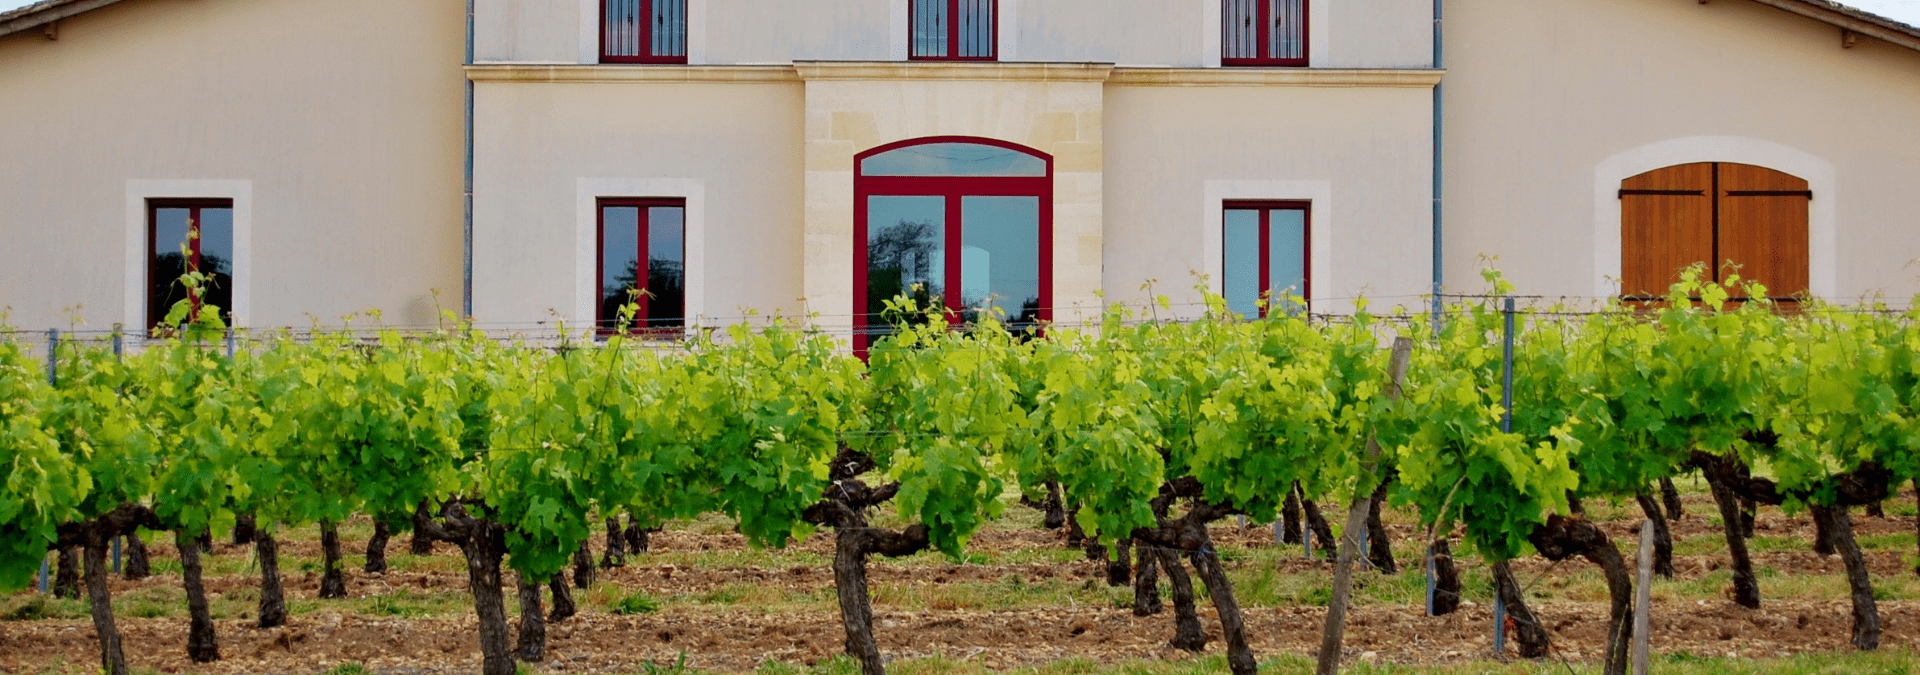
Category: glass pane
[976,28]
[623,28]
[619,261]
[669,28]
[1000,263]
[1238,32]
[1240,271]
[929,27]
[169,235]
[1287,254]
[666,266]
[954,159]
[1287,40]
[216,258]
[906,253]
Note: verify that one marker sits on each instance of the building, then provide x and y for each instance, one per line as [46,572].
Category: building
[1040,156]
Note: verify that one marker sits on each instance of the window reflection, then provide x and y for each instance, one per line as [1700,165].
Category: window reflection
[1000,265]
[954,159]
[906,253]
[1264,257]
[626,228]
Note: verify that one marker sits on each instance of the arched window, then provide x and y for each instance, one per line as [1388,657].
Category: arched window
[1719,213]
[966,221]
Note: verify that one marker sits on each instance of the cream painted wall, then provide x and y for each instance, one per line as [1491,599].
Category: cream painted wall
[1549,101]
[1361,154]
[1182,33]
[533,31]
[784,31]
[340,119]
[541,145]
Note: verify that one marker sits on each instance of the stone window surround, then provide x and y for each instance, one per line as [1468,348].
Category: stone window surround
[134,315]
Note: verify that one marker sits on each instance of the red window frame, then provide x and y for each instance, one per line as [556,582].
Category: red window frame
[645,38]
[1263,36]
[600,319]
[1266,209]
[953,31]
[953,188]
[156,314]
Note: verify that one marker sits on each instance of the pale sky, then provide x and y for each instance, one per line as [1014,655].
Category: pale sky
[1907,11]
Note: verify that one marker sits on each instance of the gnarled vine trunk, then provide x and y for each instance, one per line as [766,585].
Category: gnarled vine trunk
[94,536]
[1662,536]
[1120,566]
[273,598]
[1206,561]
[1562,537]
[66,580]
[332,584]
[1146,581]
[583,571]
[138,565]
[1322,532]
[1379,546]
[1290,517]
[1530,637]
[563,607]
[851,548]
[1187,633]
[1670,496]
[377,548]
[202,645]
[1746,587]
[639,539]
[1446,578]
[244,529]
[532,644]
[616,553]
[1866,612]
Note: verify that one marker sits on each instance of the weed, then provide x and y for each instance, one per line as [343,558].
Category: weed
[637,602]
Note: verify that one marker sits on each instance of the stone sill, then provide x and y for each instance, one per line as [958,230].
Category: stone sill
[951,71]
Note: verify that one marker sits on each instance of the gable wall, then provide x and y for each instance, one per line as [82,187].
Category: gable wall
[340,120]
[1547,99]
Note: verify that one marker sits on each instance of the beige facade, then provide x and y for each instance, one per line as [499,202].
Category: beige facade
[336,128]
[1551,103]
[334,125]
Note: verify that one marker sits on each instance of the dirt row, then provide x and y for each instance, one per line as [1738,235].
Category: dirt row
[728,639]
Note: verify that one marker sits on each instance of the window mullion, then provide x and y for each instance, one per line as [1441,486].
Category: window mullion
[1263,39]
[955,245]
[1266,260]
[953,28]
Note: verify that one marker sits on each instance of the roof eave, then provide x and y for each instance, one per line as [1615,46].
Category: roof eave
[46,12]
[1851,19]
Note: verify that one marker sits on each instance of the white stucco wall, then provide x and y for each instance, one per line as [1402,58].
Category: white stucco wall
[335,125]
[546,150]
[1550,103]
[1360,154]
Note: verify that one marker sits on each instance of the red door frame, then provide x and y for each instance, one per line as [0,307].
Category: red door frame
[953,33]
[953,188]
[642,204]
[1263,36]
[1266,209]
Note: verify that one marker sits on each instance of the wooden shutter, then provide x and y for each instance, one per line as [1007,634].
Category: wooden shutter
[1733,217]
[1666,224]
[1763,227]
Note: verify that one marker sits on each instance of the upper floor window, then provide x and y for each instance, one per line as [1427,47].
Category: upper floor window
[954,30]
[188,235]
[643,253]
[1263,33]
[643,31]
[1265,256]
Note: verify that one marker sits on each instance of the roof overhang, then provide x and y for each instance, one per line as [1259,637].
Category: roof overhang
[45,12]
[1851,19]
